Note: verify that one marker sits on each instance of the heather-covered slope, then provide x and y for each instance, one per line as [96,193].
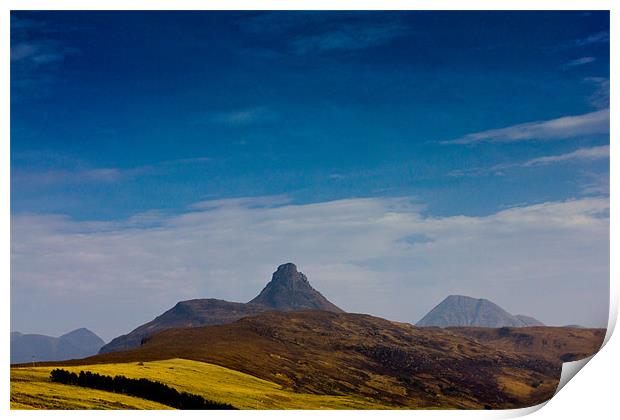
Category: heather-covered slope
[349,354]
[556,344]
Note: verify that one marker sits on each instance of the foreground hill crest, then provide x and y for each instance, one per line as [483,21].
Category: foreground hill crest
[392,363]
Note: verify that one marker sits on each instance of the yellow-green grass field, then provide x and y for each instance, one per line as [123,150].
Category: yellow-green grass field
[31,388]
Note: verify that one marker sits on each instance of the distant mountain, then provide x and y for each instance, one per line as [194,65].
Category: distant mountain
[77,344]
[288,290]
[465,311]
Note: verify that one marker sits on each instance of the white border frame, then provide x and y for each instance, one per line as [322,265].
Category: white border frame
[592,395]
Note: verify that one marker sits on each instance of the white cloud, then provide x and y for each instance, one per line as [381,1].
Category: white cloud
[593,123]
[596,184]
[37,57]
[588,153]
[313,32]
[80,173]
[240,117]
[600,97]
[549,260]
[584,154]
[580,62]
[73,176]
[596,38]
[349,37]
[599,37]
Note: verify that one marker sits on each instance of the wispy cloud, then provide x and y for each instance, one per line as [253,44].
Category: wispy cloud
[592,39]
[584,154]
[74,176]
[348,37]
[579,62]
[597,184]
[186,161]
[597,38]
[240,117]
[322,32]
[600,96]
[336,176]
[80,172]
[40,53]
[589,153]
[36,56]
[375,255]
[267,201]
[596,122]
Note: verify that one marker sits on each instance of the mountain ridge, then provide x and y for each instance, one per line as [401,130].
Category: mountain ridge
[288,290]
[75,344]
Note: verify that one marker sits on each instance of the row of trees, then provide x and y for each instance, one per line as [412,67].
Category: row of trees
[142,388]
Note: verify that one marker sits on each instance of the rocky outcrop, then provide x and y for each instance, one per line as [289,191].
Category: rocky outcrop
[289,290]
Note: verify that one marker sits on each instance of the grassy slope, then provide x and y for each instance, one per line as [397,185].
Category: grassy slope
[30,388]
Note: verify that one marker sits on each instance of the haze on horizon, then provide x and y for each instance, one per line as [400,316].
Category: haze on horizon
[395,157]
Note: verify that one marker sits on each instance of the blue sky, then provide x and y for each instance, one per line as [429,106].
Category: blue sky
[315,105]
[122,121]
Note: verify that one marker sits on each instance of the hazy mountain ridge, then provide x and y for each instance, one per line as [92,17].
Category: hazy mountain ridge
[465,311]
[76,344]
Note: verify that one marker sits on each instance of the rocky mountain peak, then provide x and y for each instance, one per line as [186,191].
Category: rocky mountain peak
[289,290]
[287,276]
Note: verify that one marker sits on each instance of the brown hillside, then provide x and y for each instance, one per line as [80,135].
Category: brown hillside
[337,353]
[556,344]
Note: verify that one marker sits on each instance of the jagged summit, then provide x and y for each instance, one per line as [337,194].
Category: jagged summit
[290,290]
[465,311]
[288,272]
[287,276]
